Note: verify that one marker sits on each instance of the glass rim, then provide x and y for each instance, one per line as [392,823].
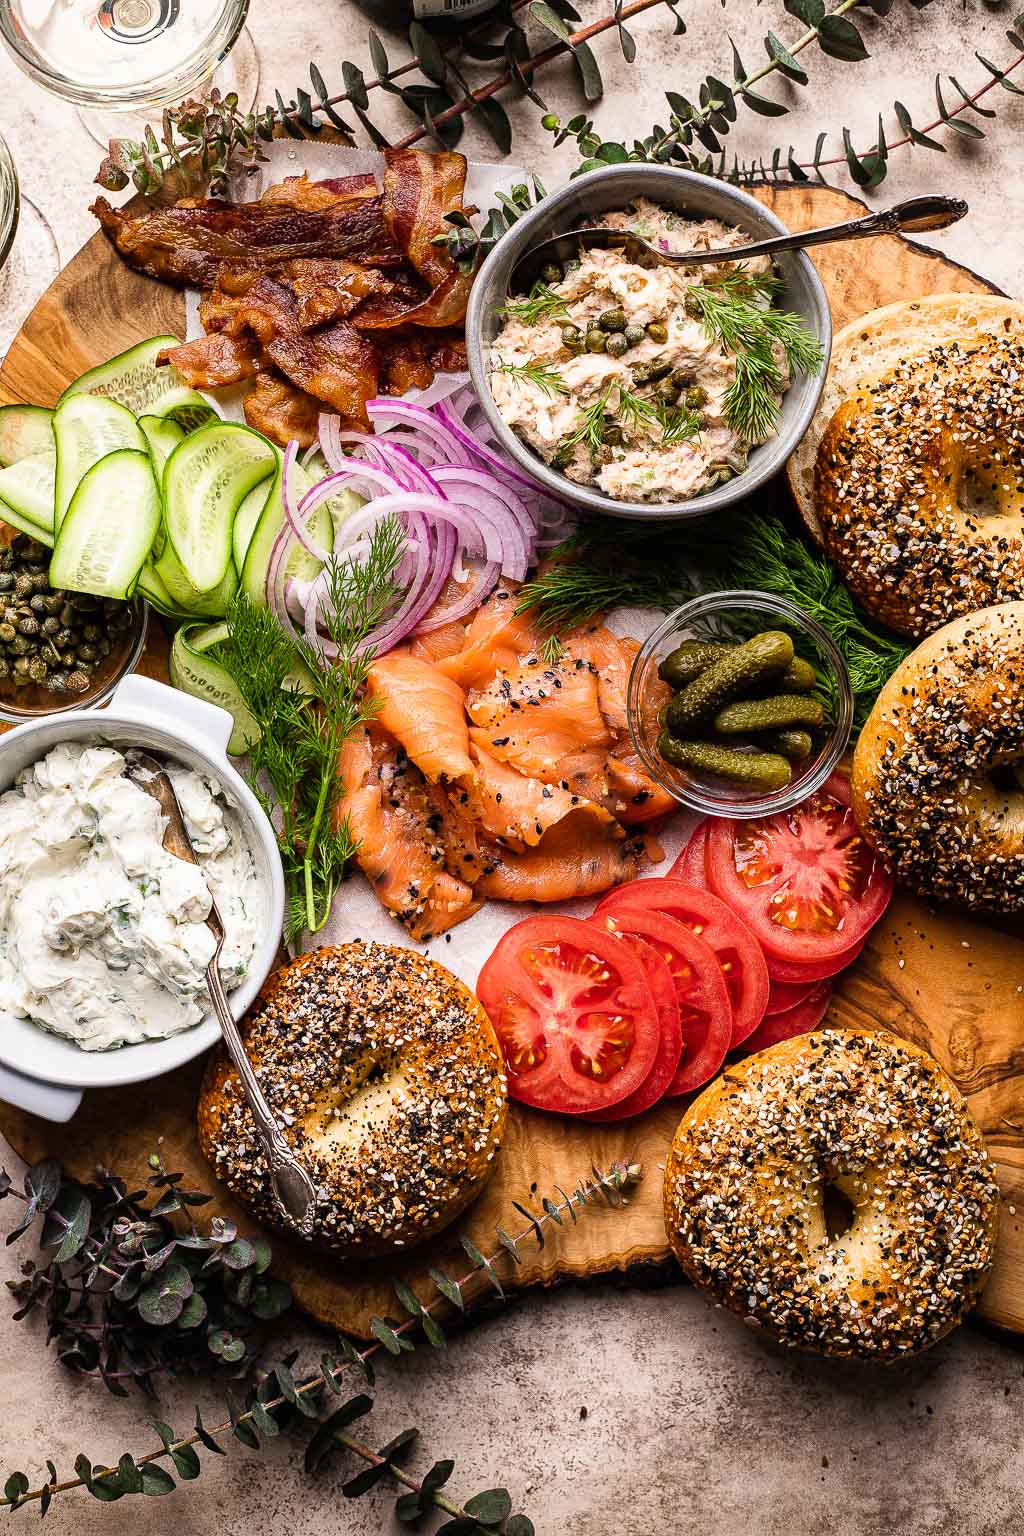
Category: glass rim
[693,795]
[160,92]
[7,236]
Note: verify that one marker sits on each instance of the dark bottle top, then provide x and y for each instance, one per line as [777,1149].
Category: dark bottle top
[439,15]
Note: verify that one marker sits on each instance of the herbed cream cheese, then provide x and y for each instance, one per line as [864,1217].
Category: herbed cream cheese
[103,937]
[544,387]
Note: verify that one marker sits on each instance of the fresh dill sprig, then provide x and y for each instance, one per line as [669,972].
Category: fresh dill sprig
[545,378]
[733,313]
[543,304]
[634,412]
[679,424]
[307,704]
[552,651]
[590,427]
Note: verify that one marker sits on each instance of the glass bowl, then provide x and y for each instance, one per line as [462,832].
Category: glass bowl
[32,702]
[727,616]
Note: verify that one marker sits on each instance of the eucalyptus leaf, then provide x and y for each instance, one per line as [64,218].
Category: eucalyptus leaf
[549,18]
[495,119]
[838,37]
[763,106]
[156,1480]
[781,56]
[490,1507]
[589,72]
[427,51]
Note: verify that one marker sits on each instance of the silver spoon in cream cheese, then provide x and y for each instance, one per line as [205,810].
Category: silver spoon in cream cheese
[915,215]
[293,1188]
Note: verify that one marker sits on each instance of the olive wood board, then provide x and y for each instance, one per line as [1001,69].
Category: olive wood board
[949,983]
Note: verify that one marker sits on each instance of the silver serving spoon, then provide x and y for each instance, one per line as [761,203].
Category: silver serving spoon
[293,1188]
[915,215]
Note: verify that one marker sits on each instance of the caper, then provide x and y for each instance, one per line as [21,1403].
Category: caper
[613,319]
[552,273]
[597,341]
[692,308]
[24,586]
[87,653]
[616,344]
[572,265]
[613,435]
[103,646]
[92,633]
[63,636]
[650,373]
[78,681]
[634,335]
[5,667]
[570,334]
[67,614]
[7,633]
[28,626]
[51,626]
[6,581]
[19,646]
[83,602]
[667,391]
[696,396]
[37,604]
[680,377]
[21,666]
[54,684]
[38,671]
[657,331]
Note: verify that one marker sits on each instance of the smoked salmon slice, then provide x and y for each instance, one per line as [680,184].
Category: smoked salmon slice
[425,712]
[536,715]
[496,641]
[574,858]
[510,806]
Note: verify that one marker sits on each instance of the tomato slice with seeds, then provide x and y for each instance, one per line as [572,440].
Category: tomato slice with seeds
[795,1021]
[670,1047]
[783,971]
[804,881]
[704,1008]
[573,1012]
[739,954]
[690,864]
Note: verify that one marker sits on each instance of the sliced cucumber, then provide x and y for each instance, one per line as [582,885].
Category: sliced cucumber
[300,563]
[341,505]
[24,430]
[153,590]
[86,429]
[134,380]
[15,520]
[246,518]
[184,597]
[196,672]
[106,536]
[162,437]
[206,479]
[27,489]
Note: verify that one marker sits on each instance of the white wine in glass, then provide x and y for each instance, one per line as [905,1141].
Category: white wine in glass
[28,253]
[123,61]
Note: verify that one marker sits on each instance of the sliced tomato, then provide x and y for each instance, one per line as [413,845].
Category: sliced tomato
[812,970]
[804,881]
[795,1021]
[705,1011]
[690,864]
[572,1009]
[739,954]
[666,1000]
[786,994]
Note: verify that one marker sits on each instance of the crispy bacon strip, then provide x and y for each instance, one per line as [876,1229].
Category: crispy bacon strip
[307,196]
[282,412]
[419,190]
[186,245]
[210,362]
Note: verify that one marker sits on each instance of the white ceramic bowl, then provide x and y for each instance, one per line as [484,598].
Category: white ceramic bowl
[44,1073]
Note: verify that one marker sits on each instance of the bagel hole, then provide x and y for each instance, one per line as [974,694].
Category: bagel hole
[978,495]
[1008,778]
[839,1212]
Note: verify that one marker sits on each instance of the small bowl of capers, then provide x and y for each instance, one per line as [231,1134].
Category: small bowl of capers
[739,704]
[59,650]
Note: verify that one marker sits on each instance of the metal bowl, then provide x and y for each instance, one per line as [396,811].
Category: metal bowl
[698,197]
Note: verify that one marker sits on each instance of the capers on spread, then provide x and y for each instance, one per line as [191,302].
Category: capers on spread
[742,712]
[51,639]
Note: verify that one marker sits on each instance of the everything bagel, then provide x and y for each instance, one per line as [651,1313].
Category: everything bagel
[934,784]
[919,485]
[387,1075]
[867,1115]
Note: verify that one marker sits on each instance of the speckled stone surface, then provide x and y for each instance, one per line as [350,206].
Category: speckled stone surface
[604,1410]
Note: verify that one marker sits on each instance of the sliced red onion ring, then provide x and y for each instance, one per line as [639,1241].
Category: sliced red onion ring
[402,412]
[296,516]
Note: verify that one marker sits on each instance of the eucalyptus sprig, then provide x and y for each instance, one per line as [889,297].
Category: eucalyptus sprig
[279,1401]
[129,1289]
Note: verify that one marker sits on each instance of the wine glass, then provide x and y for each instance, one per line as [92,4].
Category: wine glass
[28,252]
[122,61]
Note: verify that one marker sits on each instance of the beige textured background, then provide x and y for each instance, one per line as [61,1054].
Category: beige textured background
[690,1425]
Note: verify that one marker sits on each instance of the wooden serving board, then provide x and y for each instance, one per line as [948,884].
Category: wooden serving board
[949,983]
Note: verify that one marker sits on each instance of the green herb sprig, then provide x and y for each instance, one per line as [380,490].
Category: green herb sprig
[279,1401]
[542,303]
[294,764]
[547,379]
[737,313]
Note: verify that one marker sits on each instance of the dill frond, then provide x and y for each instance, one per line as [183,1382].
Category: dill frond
[542,304]
[545,378]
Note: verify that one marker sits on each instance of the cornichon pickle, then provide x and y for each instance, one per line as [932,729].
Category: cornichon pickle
[760,770]
[799,677]
[730,676]
[743,716]
[690,659]
[794,744]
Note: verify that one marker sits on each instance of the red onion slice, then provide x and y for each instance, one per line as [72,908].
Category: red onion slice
[296,516]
